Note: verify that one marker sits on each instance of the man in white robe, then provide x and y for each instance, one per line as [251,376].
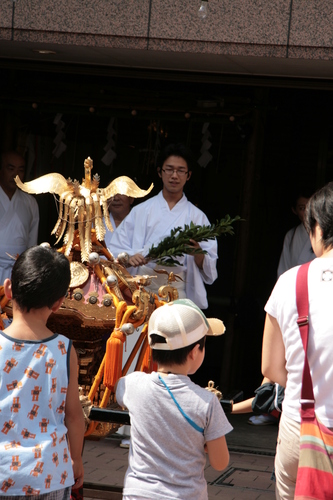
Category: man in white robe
[19,214]
[297,248]
[151,221]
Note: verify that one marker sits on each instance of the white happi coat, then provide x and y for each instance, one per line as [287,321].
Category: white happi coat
[151,221]
[19,219]
[296,250]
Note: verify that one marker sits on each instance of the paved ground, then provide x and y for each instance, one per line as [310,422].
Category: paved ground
[248,476]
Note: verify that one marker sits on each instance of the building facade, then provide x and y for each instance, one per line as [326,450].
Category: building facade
[248,87]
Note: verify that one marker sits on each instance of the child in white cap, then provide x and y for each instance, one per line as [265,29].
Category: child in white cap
[174,422]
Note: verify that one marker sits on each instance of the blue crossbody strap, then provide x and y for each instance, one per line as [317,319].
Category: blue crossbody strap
[190,421]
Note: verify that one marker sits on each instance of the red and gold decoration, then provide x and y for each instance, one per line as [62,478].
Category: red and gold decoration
[104,303]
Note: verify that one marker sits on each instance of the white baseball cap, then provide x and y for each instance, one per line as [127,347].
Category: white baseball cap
[181,323]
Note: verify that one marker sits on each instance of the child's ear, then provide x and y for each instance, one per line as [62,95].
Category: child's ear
[57,304]
[7,286]
[194,352]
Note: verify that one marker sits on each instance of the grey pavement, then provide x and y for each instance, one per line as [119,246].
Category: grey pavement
[247,477]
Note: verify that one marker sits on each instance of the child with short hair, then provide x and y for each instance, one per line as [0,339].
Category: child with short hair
[173,420]
[42,424]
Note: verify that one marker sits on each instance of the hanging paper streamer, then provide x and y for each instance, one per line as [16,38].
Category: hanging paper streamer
[110,155]
[206,156]
[60,146]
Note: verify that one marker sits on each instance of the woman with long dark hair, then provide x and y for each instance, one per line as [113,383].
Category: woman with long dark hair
[283,353]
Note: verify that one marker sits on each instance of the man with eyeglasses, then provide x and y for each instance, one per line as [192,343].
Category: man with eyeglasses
[151,221]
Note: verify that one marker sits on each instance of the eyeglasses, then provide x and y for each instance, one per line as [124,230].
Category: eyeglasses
[180,172]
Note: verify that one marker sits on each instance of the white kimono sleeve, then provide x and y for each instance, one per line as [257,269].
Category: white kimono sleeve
[195,277]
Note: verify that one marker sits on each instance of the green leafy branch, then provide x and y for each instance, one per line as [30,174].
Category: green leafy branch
[177,244]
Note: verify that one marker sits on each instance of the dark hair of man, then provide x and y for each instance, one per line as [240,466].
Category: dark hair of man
[319,209]
[40,277]
[176,150]
[4,155]
[174,356]
[301,193]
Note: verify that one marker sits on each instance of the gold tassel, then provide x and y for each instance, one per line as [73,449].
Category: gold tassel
[147,362]
[114,358]
[114,350]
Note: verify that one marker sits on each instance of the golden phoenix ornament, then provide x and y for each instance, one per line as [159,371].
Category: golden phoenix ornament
[83,205]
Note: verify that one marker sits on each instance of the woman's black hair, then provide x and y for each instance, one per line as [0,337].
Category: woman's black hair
[319,210]
[174,356]
[179,150]
[40,277]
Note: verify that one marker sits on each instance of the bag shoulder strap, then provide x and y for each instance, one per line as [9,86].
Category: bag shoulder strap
[189,420]
[302,302]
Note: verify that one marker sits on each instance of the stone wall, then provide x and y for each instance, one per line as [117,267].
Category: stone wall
[278,28]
